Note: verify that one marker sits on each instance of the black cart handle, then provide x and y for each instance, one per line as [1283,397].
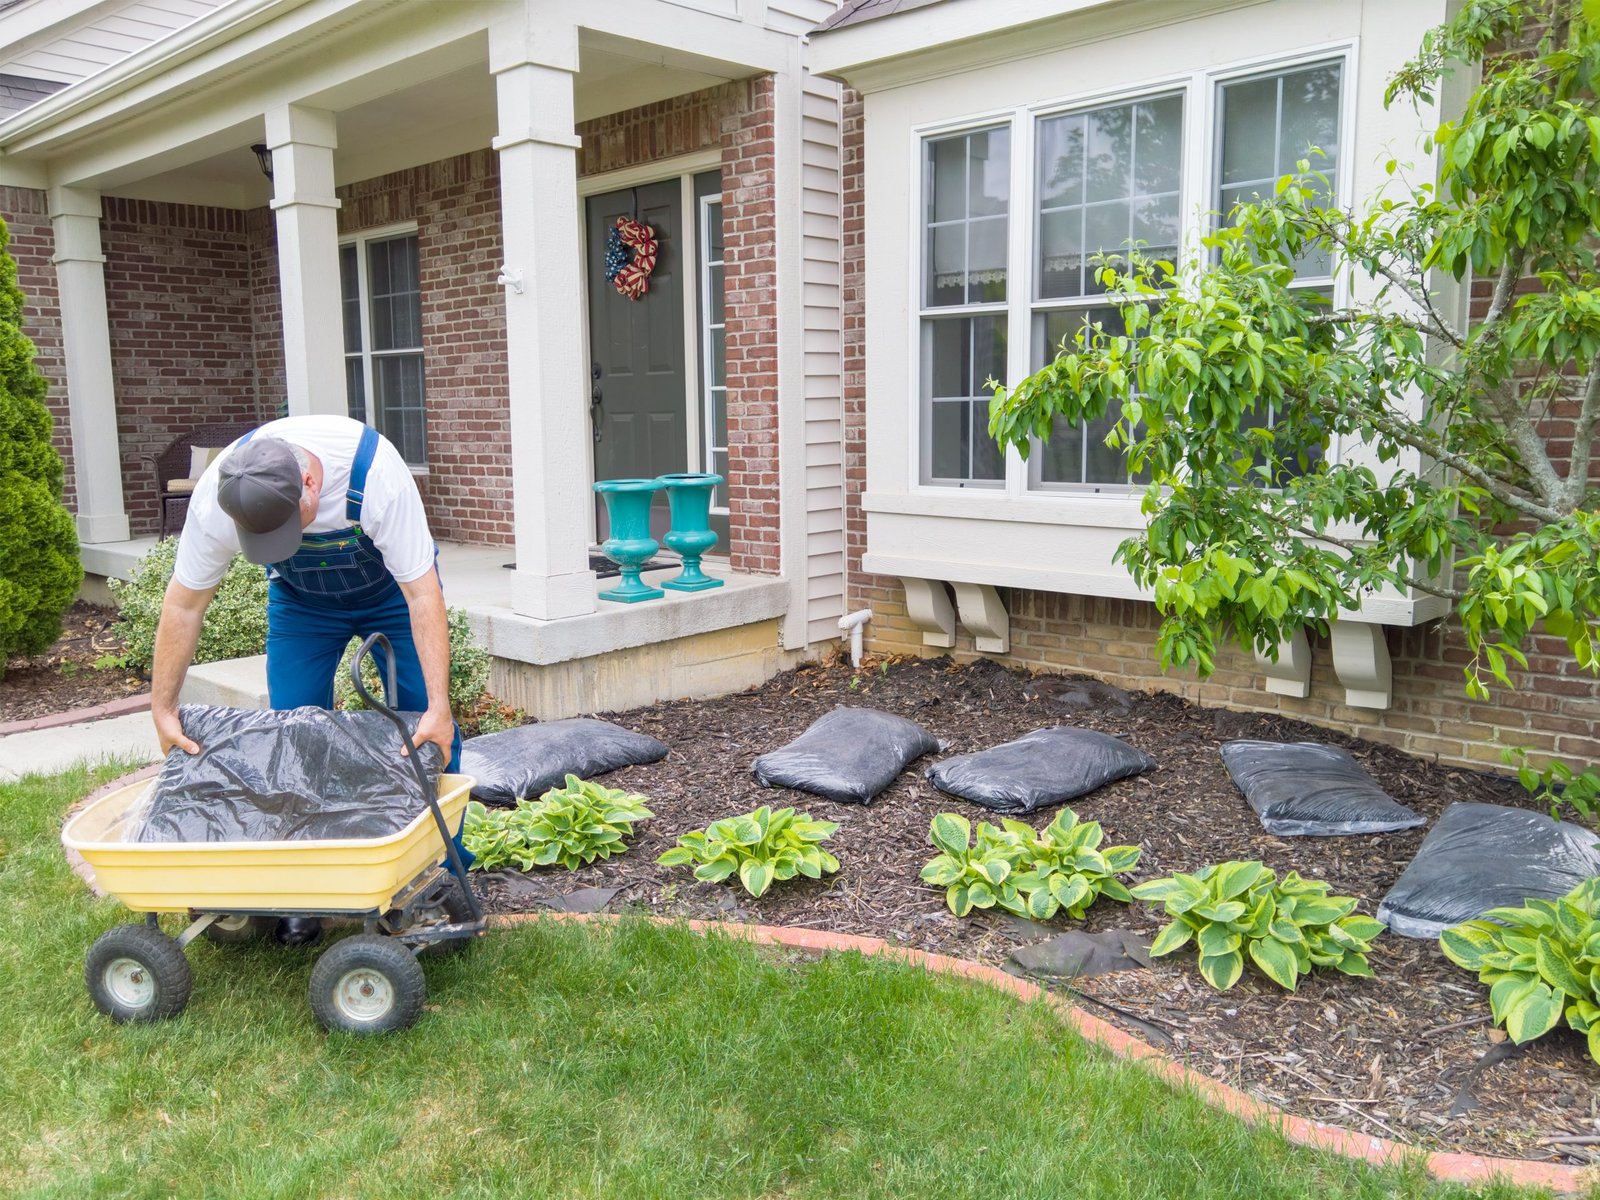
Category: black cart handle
[457,868]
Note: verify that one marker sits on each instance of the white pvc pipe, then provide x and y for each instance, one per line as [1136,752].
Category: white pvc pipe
[852,625]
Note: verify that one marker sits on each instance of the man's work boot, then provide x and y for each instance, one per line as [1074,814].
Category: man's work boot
[297,931]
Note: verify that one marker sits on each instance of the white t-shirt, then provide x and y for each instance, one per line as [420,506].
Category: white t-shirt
[391,514]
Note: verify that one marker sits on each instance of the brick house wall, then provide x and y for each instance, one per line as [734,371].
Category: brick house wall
[197,333]
[1552,708]
[32,243]
[178,297]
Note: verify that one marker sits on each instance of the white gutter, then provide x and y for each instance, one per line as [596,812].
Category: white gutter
[215,28]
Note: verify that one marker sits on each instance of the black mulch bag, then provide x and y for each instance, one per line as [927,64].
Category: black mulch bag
[1308,789]
[300,774]
[1048,766]
[1483,856]
[848,755]
[530,760]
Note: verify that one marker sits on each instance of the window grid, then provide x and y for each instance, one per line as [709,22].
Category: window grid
[971,331]
[1041,309]
[713,346]
[380,286]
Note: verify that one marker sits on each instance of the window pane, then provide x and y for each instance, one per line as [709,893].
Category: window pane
[396,301]
[1128,163]
[1105,465]
[397,380]
[960,354]
[1310,118]
[1249,131]
[714,297]
[1061,459]
[350,298]
[714,217]
[355,389]
[968,183]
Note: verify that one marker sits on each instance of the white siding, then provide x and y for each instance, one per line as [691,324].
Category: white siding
[84,42]
[799,16]
[824,361]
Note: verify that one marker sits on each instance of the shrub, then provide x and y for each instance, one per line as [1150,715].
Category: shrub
[1026,872]
[39,568]
[235,624]
[569,826]
[1541,962]
[1287,928]
[469,671]
[761,847]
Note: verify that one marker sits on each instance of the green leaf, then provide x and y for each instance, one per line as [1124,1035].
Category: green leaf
[1222,971]
[715,871]
[941,871]
[756,876]
[1355,963]
[1558,972]
[1277,962]
[676,857]
[959,898]
[1217,940]
[1534,1014]
[1234,878]
[1174,936]
[951,833]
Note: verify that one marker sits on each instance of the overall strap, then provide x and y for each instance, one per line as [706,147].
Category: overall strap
[245,438]
[356,494]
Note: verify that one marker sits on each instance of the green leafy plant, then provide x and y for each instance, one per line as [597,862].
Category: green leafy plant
[39,568]
[1027,872]
[235,624]
[762,847]
[469,670]
[569,826]
[1556,785]
[1541,962]
[495,717]
[1287,928]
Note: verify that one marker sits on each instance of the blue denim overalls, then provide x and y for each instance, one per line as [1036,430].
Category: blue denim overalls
[336,587]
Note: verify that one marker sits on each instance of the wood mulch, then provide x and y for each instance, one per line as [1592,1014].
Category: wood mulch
[65,676]
[1402,1056]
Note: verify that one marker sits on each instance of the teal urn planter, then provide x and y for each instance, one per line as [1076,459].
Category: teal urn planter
[630,544]
[691,534]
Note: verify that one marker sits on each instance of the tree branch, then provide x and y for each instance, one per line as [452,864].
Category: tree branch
[1535,458]
[1433,589]
[1505,287]
[1435,323]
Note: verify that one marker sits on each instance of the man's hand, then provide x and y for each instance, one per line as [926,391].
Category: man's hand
[182,610]
[169,729]
[436,726]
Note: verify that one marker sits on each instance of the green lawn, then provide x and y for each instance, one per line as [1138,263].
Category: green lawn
[569,1061]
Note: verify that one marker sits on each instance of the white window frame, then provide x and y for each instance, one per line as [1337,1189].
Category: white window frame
[1198,185]
[707,328]
[361,239]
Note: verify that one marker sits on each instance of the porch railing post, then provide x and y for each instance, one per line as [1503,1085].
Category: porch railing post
[545,348]
[302,141]
[86,343]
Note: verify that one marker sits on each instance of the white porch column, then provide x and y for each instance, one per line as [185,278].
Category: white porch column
[86,342]
[302,141]
[545,352]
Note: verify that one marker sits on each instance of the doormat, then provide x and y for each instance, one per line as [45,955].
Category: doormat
[604,568]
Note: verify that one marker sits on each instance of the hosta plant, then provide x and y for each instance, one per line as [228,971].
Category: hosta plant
[570,826]
[1236,909]
[1027,872]
[1541,962]
[760,847]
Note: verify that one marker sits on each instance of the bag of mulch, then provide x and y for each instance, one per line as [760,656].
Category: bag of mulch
[1483,856]
[528,761]
[299,774]
[1308,789]
[1048,766]
[849,755]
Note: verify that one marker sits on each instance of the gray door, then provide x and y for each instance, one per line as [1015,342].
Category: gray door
[638,381]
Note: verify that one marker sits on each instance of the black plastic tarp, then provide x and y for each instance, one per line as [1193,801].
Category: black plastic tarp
[1047,766]
[849,755]
[299,774]
[1309,789]
[1483,856]
[531,759]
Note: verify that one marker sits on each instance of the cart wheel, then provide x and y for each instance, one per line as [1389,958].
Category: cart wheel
[136,973]
[367,984]
[237,929]
[452,909]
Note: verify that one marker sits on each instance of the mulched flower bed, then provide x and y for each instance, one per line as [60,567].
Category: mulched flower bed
[1397,1056]
[65,676]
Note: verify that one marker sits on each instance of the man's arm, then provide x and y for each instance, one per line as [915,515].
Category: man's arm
[430,628]
[182,610]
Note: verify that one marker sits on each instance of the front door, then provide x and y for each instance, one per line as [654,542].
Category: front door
[638,382]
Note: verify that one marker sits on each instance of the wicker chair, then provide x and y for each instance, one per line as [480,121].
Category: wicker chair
[171,468]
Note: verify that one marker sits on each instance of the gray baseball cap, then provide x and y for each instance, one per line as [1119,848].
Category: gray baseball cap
[259,486]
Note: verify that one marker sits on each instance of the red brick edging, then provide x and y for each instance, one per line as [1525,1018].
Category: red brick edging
[80,716]
[1472,1169]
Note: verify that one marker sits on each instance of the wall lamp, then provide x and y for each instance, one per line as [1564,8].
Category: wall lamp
[263,158]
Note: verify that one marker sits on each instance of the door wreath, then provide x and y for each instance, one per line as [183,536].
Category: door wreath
[631,249]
